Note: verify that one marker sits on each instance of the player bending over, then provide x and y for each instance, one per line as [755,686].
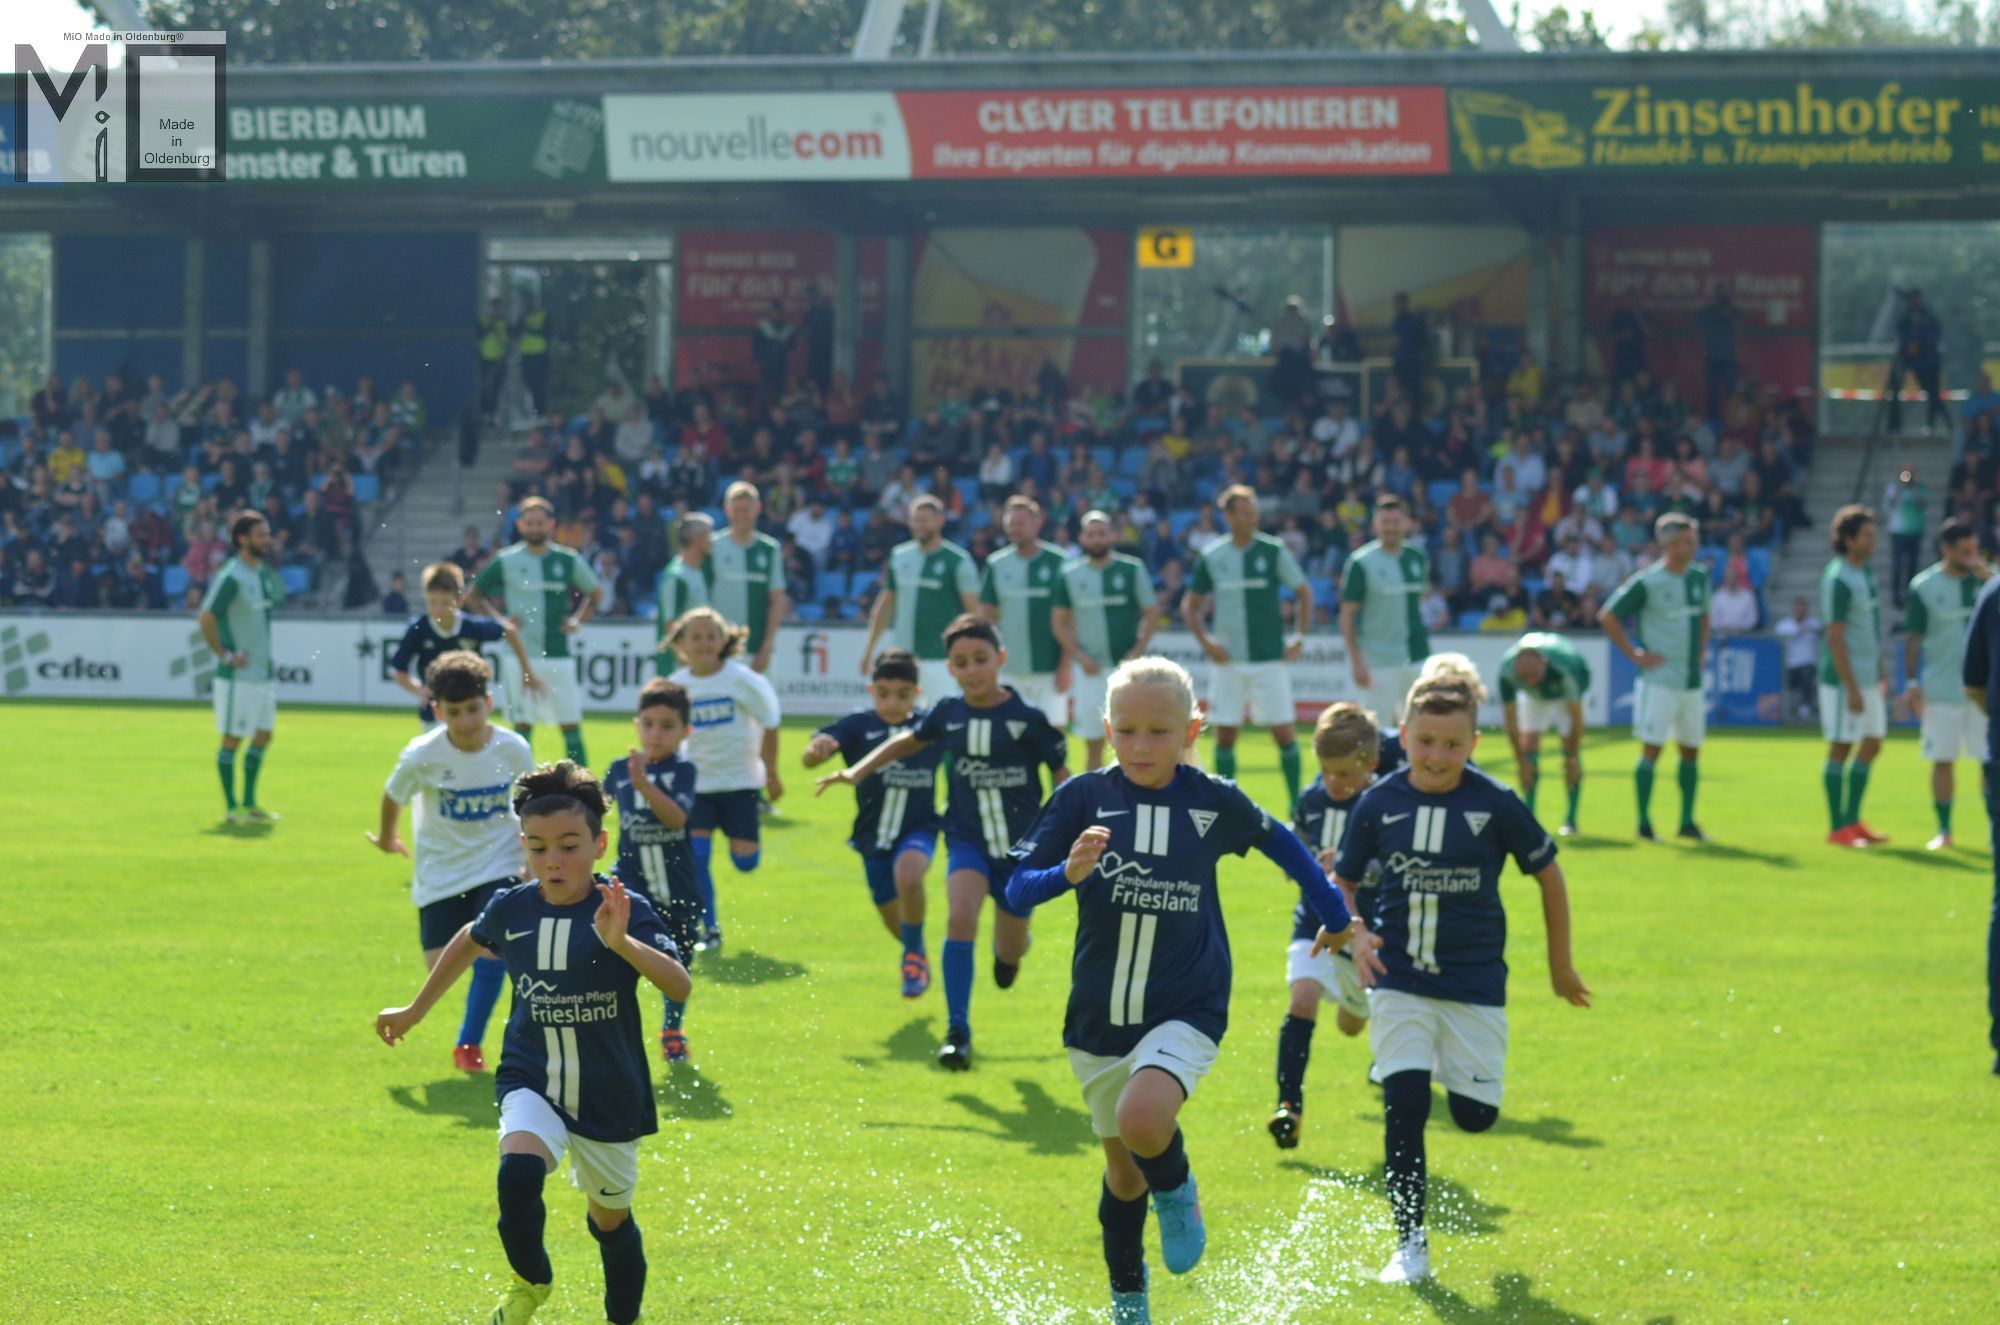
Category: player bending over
[1542,683]
[443,628]
[1442,832]
[733,707]
[653,788]
[1351,753]
[573,1066]
[999,743]
[895,815]
[1138,844]
[460,776]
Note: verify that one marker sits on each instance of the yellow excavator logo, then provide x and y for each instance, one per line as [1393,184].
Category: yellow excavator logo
[1496,131]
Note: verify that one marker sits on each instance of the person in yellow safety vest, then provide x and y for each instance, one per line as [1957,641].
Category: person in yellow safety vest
[493,339]
[532,339]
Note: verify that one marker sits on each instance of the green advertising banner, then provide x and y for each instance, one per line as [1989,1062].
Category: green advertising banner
[467,140]
[1824,125]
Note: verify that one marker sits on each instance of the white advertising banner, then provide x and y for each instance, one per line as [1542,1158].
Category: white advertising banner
[762,136]
[346,661]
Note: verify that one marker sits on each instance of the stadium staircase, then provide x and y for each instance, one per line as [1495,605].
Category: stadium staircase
[1844,471]
[427,520]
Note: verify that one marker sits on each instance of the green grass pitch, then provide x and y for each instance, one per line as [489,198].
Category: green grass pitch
[1780,1110]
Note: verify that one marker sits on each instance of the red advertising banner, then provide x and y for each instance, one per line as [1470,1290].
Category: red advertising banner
[725,281]
[1168,131]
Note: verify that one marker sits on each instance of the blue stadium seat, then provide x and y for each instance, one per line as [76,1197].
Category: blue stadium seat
[1180,520]
[1439,491]
[1470,620]
[1760,565]
[647,608]
[209,482]
[1126,488]
[1323,589]
[968,491]
[810,611]
[863,583]
[171,486]
[578,423]
[830,584]
[297,579]
[174,583]
[1205,490]
[1130,461]
[1533,585]
[367,489]
[143,487]
[1104,457]
[1149,427]
[978,518]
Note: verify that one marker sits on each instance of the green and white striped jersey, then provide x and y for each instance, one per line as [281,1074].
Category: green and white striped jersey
[741,579]
[1668,610]
[1109,602]
[536,590]
[1023,588]
[1847,596]
[679,588]
[242,598]
[928,588]
[1566,677]
[1244,583]
[1388,586]
[1938,610]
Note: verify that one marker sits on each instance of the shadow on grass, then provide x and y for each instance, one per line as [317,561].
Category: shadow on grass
[1549,1130]
[467,1098]
[1452,1206]
[1937,860]
[1043,1125]
[685,1091]
[743,966]
[1596,842]
[1715,850]
[912,1042]
[252,828]
[1514,1303]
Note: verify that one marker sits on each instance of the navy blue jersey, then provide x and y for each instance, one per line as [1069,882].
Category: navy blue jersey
[423,644]
[901,797]
[573,1035]
[1321,822]
[652,857]
[1150,943]
[995,780]
[1437,908]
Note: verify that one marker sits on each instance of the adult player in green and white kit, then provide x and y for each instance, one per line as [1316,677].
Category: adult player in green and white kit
[1104,615]
[236,622]
[1379,617]
[536,579]
[1668,602]
[1018,594]
[746,575]
[1936,613]
[1853,692]
[928,583]
[682,585]
[1543,680]
[1242,576]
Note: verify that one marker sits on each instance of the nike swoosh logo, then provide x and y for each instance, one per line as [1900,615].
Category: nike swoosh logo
[1111,814]
[1485,1081]
[1394,818]
[511,935]
[606,1191]
[1162,1053]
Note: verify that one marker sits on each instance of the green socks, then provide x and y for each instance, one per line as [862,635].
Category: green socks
[225,766]
[573,746]
[1288,759]
[1857,787]
[1690,775]
[1531,780]
[1832,776]
[1642,782]
[1944,816]
[253,764]
[1575,791]
[1225,761]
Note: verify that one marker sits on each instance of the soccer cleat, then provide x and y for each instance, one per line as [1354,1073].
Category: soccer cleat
[1411,1263]
[1692,832]
[673,1045]
[711,940]
[1568,828]
[1005,973]
[468,1058]
[1844,837]
[1285,1125]
[955,1054]
[1942,842]
[1133,1308]
[237,817]
[1868,835]
[258,814]
[1183,1237]
[916,974]
[521,1303]
[1646,833]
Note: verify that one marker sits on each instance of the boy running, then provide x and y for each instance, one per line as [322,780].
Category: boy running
[459,778]
[236,624]
[653,790]
[443,629]
[573,1066]
[895,816]
[1138,845]
[1542,683]
[1442,833]
[999,743]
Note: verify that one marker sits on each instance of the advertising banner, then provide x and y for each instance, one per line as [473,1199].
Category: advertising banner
[471,140]
[1014,134]
[1762,127]
[1744,676]
[726,280]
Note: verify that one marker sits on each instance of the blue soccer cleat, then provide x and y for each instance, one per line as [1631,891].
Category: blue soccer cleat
[1183,1237]
[1133,1308]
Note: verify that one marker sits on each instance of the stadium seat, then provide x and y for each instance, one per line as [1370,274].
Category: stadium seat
[1126,488]
[1439,491]
[1205,490]
[174,583]
[209,482]
[968,491]
[1130,461]
[367,489]
[1760,565]
[1180,521]
[1104,457]
[1323,589]
[863,583]
[171,486]
[296,579]
[978,518]
[811,611]
[143,487]
[1470,620]
[830,584]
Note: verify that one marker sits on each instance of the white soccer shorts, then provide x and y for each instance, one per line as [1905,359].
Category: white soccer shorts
[1462,1045]
[1087,704]
[1174,1047]
[1334,972]
[1661,716]
[1953,731]
[1386,690]
[1039,690]
[561,700]
[935,680]
[1241,693]
[1841,727]
[1541,715]
[605,1171]
[244,708]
